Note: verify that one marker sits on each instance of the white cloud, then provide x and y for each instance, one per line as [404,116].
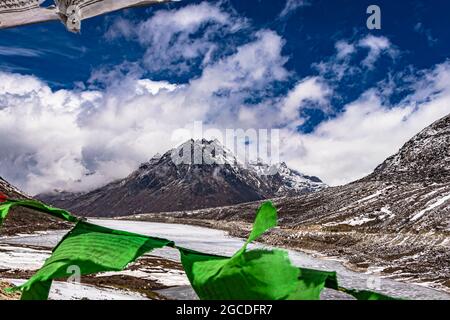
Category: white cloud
[175,38]
[80,139]
[311,89]
[253,66]
[344,64]
[291,6]
[351,145]
[19,52]
[144,86]
[344,49]
[121,27]
[376,46]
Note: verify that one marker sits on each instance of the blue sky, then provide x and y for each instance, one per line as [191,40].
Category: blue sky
[79,110]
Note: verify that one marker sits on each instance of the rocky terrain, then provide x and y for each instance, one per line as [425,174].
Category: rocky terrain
[197,174]
[395,221]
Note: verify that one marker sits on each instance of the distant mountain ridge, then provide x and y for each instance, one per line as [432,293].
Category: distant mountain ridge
[211,176]
[414,180]
[395,220]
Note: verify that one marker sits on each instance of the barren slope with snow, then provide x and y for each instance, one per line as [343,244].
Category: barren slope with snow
[396,219]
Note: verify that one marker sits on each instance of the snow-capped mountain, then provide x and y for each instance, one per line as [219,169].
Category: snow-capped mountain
[197,174]
[286,181]
[395,220]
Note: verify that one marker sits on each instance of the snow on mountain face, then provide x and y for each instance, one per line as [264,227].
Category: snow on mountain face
[197,174]
[203,152]
[281,180]
[273,180]
[410,191]
[397,219]
[287,181]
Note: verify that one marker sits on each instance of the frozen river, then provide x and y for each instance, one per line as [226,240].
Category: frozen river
[218,242]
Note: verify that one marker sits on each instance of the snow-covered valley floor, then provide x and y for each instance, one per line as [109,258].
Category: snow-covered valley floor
[25,253]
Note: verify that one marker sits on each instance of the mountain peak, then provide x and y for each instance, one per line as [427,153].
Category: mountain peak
[197,174]
[202,152]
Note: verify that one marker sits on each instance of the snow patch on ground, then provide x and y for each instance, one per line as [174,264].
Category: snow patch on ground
[373,196]
[19,258]
[436,204]
[358,221]
[166,277]
[219,242]
[76,291]
[387,213]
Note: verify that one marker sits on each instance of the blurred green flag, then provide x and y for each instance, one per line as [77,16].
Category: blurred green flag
[247,275]
[255,274]
[92,249]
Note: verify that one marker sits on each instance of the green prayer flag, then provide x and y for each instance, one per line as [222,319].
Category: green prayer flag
[246,275]
[266,218]
[254,274]
[312,282]
[92,249]
[38,291]
[189,257]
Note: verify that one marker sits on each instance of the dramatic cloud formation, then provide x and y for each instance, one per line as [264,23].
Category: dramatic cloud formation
[351,145]
[82,138]
[176,38]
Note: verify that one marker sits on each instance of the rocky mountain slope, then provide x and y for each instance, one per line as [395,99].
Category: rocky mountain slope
[24,220]
[395,220]
[207,175]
